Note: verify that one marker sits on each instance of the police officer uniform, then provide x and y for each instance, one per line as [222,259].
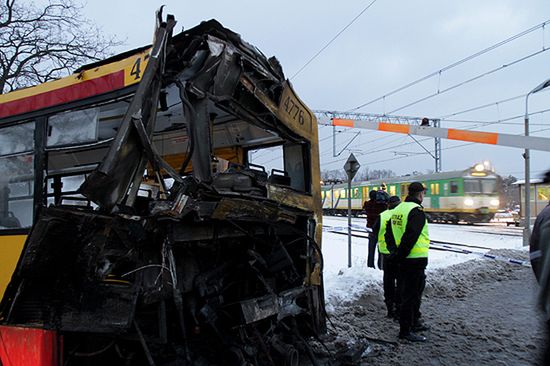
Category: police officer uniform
[408,241]
[389,266]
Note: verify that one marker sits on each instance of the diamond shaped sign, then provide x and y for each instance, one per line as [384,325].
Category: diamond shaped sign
[352,166]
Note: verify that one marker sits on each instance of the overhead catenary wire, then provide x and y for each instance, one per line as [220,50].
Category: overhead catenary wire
[332,40]
[477,77]
[455,64]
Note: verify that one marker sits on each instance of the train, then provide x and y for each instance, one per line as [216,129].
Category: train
[470,195]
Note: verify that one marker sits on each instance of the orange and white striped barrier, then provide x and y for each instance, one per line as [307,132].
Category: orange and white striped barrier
[491,138]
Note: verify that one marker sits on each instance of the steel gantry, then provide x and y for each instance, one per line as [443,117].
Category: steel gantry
[355,120]
[415,126]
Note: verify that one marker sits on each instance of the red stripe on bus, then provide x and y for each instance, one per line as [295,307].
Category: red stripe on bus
[64,95]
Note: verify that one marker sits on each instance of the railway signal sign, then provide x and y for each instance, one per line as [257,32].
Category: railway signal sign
[351,167]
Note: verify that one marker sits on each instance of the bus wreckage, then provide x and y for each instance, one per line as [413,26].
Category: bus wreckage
[176,249]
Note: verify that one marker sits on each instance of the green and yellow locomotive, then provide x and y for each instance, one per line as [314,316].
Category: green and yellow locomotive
[469,195]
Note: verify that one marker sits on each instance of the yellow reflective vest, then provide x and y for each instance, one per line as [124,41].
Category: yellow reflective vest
[385,216]
[399,219]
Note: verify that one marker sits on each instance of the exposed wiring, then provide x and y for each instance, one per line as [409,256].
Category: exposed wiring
[145,267]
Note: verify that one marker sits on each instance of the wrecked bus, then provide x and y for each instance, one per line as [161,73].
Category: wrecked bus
[136,225]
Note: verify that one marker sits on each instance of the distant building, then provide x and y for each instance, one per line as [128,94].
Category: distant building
[540,195]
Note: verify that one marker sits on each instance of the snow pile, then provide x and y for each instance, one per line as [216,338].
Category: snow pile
[344,285]
[481,312]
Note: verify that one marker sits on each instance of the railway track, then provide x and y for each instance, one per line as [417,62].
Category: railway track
[447,246]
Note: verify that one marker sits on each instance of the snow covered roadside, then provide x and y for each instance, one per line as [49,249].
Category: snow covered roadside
[480,313]
[344,285]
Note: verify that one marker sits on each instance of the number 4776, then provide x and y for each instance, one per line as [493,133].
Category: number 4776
[294,110]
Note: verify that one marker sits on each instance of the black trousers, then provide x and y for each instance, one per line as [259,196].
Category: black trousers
[371,250]
[391,291]
[411,282]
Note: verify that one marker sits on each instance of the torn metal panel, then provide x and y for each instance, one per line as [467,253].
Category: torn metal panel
[241,209]
[62,276]
[109,184]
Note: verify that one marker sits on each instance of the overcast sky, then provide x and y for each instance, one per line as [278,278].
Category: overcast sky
[388,46]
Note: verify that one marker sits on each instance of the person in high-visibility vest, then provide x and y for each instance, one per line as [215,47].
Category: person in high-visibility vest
[408,242]
[391,295]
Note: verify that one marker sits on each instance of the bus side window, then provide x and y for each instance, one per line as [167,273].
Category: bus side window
[73,127]
[16,176]
[296,159]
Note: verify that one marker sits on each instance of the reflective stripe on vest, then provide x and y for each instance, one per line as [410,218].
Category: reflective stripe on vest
[384,217]
[399,219]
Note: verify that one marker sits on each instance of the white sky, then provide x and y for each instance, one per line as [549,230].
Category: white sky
[390,45]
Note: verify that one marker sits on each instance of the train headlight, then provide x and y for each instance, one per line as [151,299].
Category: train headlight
[494,202]
[469,202]
[479,167]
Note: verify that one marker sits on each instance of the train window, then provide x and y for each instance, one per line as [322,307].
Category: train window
[454,186]
[471,186]
[392,191]
[480,185]
[488,185]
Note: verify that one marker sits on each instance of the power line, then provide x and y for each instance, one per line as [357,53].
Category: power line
[498,102]
[477,77]
[503,123]
[332,40]
[483,106]
[457,63]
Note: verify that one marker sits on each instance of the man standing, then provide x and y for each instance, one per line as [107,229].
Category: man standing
[391,295]
[372,209]
[408,242]
[539,250]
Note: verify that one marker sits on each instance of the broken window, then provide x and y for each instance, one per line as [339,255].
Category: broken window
[73,127]
[16,176]
[16,191]
[64,190]
[286,165]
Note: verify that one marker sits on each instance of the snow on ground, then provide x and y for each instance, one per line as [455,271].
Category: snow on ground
[343,284]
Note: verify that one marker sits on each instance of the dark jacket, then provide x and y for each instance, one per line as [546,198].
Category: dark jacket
[535,243]
[543,267]
[372,210]
[415,223]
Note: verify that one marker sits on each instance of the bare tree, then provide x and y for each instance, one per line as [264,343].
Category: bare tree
[368,174]
[41,44]
[334,175]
